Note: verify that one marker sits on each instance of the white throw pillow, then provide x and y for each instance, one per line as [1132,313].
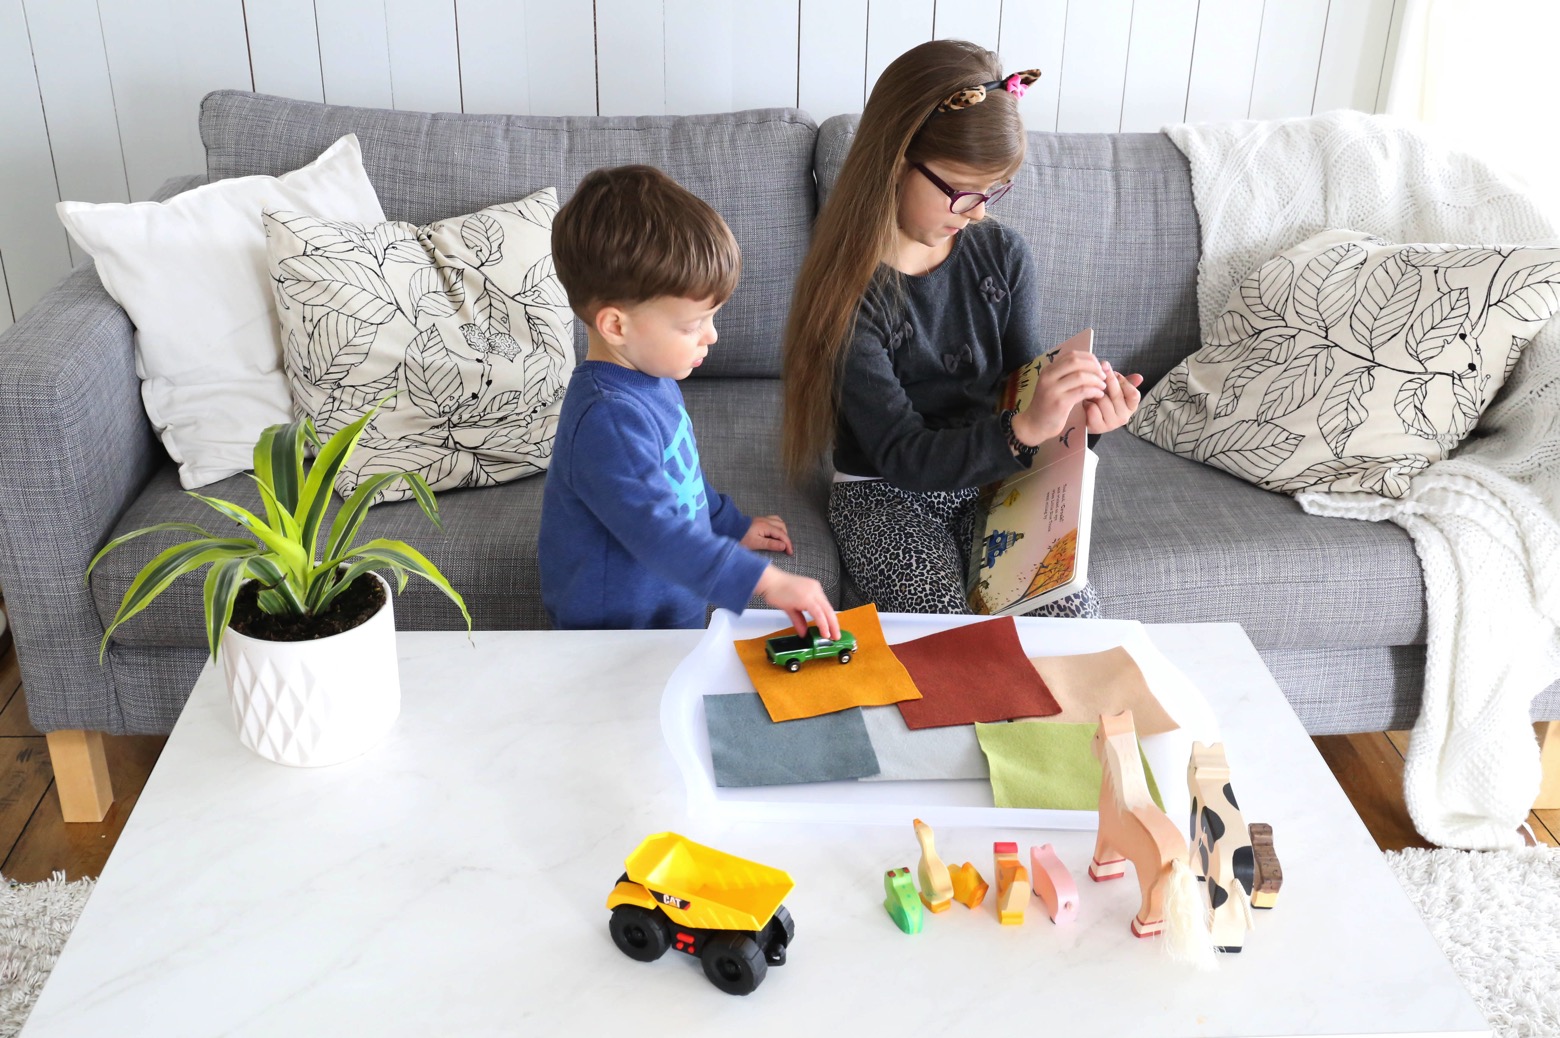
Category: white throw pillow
[191,274]
[463,320]
[1348,364]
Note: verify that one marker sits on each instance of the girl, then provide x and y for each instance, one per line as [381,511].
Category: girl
[910,310]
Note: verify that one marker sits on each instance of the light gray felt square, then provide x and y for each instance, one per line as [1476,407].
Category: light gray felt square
[949,752]
[751,750]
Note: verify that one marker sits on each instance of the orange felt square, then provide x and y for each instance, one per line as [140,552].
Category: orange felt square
[873,677]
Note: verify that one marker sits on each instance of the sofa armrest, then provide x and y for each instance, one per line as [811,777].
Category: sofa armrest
[75,450]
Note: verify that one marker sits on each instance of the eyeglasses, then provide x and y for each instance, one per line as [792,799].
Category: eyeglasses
[961,202]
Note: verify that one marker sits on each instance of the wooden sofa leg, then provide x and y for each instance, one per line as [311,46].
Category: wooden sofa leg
[81,774]
[1549,751]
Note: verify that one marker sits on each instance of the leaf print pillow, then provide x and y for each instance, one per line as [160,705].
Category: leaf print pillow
[462,324]
[1348,364]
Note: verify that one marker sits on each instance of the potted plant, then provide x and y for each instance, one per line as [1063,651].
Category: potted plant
[309,635]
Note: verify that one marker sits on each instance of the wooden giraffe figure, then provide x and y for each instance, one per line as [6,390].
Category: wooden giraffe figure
[1132,827]
[1223,855]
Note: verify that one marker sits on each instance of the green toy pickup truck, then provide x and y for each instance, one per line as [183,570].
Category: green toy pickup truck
[792,650]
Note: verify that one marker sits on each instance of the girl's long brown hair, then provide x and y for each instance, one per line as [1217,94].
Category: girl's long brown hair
[857,226]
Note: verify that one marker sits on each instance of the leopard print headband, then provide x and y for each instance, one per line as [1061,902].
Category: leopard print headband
[1015,84]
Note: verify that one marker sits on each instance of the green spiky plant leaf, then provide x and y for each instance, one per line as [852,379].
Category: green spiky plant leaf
[281,552]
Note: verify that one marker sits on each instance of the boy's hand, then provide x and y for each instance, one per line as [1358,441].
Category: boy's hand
[796,597]
[768,533]
[1077,378]
[1112,410]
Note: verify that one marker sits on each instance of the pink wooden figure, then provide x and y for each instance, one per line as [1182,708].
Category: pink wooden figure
[1053,884]
[1132,827]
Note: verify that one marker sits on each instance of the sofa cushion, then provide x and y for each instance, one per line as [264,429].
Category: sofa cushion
[431,166]
[1179,542]
[488,549]
[1110,220]
[456,329]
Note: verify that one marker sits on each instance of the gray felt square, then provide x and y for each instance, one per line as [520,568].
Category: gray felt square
[751,750]
[950,752]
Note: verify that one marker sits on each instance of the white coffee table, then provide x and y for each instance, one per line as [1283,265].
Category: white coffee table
[453,882]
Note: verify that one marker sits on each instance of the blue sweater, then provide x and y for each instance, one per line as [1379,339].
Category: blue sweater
[631,535]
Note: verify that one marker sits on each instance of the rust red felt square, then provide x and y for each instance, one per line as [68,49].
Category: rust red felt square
[975,672]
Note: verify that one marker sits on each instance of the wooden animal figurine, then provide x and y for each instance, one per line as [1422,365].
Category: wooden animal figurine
[1012,884]
[936,883]
[902,903]
[1268,877]
[1053,884]
[1132,827]
[969,887]
[1222,855]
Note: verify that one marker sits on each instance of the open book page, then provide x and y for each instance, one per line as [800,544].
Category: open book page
[1031,529]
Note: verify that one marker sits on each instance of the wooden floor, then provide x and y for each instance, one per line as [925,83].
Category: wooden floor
[34,842]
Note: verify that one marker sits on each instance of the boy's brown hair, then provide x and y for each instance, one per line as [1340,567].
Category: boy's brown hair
[631,234]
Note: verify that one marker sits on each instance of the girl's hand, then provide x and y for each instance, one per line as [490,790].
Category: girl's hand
[1112,410]
[768,533]
[796,597]
[1076,378]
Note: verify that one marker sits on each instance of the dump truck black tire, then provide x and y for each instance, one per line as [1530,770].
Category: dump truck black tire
[639,933]
[734,963]
[777,936]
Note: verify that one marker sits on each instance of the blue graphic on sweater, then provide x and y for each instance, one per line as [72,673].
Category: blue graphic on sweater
[680,465]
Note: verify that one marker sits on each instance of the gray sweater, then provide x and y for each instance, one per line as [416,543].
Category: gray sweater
[924,368]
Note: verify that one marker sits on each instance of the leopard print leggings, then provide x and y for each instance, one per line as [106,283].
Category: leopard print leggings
[907,550]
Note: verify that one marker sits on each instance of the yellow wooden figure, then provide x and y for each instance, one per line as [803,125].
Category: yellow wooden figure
[969,886]
[1012,884]
[936,883]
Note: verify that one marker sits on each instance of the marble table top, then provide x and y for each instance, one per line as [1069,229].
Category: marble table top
[453,881]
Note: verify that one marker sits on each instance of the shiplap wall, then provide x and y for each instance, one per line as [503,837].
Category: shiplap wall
[98,98]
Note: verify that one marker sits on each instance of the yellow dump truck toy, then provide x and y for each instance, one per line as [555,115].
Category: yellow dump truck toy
[722,909]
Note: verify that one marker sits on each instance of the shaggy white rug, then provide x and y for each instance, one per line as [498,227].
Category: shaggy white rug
[35,919]
[1496,915]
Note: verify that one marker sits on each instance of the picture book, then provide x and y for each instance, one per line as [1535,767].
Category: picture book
[1031,533]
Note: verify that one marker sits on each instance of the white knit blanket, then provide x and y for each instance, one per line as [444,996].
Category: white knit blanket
[1483,521]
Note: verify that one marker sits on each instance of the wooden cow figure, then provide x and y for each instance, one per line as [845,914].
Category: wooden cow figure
[1221,846]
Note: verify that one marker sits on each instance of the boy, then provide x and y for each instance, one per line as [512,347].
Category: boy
[631,535]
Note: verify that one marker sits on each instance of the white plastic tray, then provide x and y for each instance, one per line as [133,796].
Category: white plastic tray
[712,668]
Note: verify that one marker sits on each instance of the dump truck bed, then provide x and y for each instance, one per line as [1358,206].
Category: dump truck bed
[717,891]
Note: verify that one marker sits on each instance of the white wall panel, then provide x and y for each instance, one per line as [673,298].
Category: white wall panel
[979,21]
[284,48]
[493,47]
[630,57]
[1288,56]
[78,102]
[1159,64]
[1094,66]
[29,232]
[162,59]
[1352,55]
[354,52]
[1394,35]
[560,56]
[698,58]
[1224,58]
[424,60]
[1033,36]
[832,66]
[893,27]
[764,47]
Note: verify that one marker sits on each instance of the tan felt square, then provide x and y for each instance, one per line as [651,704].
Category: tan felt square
[1096,683]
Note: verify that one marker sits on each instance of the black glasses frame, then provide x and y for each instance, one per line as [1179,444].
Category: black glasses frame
[955,195]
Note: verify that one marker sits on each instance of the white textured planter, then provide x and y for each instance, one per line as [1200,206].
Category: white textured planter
[318,702]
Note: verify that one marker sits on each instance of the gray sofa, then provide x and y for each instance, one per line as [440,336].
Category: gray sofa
[1336,607]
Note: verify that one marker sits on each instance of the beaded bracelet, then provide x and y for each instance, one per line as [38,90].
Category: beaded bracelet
[1023,451]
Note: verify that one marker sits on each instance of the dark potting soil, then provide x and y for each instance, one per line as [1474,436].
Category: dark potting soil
[351,608]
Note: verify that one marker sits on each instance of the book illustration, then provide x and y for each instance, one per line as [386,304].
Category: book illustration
[1031,529]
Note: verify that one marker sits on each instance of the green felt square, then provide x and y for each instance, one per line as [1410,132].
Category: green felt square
[1046,764]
